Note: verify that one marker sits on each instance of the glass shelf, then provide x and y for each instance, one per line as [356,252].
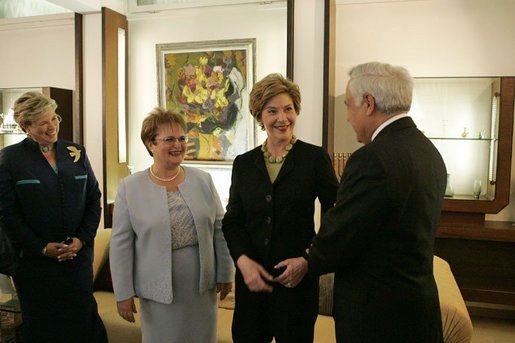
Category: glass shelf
[470,121]
[463,139]
[469,197]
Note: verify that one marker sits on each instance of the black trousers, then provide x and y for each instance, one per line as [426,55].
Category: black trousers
[288,314]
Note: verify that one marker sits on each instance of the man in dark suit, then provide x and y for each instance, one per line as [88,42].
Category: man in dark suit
[379,237]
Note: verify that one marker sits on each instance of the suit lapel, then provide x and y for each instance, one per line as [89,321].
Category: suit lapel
[259,162]
[288,164]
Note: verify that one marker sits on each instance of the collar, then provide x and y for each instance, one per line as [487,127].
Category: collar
[386,123]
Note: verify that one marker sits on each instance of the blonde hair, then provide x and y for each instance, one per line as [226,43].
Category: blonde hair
[30,106]
[270,86]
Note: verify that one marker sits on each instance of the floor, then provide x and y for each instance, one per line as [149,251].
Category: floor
[486,330]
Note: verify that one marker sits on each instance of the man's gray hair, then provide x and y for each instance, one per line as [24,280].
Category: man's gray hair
[391,86]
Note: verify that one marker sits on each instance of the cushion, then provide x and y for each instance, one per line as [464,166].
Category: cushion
[103,280]
[456,323]
[101,250]
[325,297]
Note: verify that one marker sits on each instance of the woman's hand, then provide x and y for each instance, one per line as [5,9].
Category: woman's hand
[254,275]
[224,289]
[295,270]
[62,251]
[126,309]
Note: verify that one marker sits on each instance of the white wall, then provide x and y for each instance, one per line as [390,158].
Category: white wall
[308,67]
[430,38]
[93,134]
[38,51]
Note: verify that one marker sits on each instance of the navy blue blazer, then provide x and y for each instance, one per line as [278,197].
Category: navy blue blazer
[39,206]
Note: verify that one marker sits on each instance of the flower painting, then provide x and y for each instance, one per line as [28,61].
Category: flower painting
[208,83]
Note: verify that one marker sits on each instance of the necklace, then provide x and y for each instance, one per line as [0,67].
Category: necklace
[46,148]
[277,159]
[161,179]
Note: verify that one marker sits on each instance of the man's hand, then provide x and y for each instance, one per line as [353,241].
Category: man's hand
[295,270]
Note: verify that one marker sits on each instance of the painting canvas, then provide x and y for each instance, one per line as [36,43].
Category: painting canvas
[209,84]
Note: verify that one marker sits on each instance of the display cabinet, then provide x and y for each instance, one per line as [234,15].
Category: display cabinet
[10,133]
[470,121]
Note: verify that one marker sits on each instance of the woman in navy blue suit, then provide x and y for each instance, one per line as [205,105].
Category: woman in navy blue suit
[269,221]
[50,203]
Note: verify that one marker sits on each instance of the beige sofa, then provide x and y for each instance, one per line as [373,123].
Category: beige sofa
[457,326]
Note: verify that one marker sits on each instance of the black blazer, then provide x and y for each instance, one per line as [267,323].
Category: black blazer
[270,222]
[379,239]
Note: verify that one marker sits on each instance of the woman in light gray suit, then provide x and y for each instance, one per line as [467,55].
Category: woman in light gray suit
[167,246]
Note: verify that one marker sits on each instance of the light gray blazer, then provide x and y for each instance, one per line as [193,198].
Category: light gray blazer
[140,254]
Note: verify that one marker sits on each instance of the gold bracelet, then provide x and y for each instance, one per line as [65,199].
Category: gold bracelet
[43,252]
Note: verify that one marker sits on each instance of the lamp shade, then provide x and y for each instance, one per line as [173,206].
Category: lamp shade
[6,286]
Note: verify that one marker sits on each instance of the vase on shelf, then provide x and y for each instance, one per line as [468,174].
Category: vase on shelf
[449,192]
[477,189]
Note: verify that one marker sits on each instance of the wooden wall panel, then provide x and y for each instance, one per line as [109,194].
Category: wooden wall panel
[113,170]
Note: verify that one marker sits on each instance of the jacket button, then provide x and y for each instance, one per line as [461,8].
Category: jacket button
[268,220]
[266,241]
[268,198]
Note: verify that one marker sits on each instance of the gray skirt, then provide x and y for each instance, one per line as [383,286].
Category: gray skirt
[191,317]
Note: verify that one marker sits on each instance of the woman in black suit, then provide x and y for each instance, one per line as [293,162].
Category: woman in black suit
[269,221]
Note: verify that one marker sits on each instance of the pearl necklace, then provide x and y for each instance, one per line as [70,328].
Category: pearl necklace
[161,179]
[277,159]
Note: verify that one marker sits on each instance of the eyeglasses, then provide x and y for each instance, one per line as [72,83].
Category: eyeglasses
[171,139]
[55,121]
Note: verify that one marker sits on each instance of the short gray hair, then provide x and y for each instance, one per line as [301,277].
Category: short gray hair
[391,86]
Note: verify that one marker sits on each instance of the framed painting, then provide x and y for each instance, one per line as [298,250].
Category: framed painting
[209,84]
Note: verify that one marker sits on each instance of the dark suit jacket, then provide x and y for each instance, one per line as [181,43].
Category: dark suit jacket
[272,222]
[379,239]
[39,206]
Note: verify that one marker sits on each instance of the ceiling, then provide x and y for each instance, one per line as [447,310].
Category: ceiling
[27,8]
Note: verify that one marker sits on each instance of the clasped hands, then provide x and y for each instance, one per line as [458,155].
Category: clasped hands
[258,279]
[62,251]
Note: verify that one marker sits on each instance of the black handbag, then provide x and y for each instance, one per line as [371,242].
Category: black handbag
[8,255]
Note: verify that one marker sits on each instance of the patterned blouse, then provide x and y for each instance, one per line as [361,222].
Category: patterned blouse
[181,222]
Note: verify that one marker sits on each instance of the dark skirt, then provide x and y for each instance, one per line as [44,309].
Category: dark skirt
[57,301]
